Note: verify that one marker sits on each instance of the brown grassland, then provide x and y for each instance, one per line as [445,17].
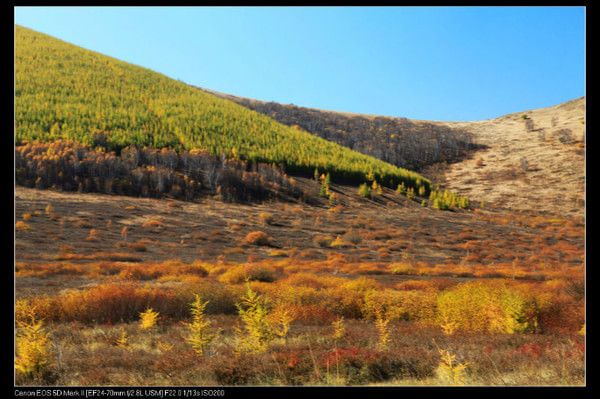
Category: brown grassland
[363,292]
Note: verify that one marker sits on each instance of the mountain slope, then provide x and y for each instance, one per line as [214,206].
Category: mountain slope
[64,91]
[400,141]
[533,163]
[534,160]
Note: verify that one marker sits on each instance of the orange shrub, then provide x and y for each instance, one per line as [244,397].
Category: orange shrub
[313,280]
[20,225]
[152,223]
[257,238]
[108,303]
[138,246]
[239,274]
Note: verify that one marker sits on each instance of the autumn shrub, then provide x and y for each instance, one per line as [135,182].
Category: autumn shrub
[137,246]
[312,280]
[221,298]
[152,223]
[155,270]
[402,268]
[241,273]
[20,225]
[237,370]
[113,302]
[257,238]
[400,305]
[559,313]
[416,285]
[486,306]
[305,304]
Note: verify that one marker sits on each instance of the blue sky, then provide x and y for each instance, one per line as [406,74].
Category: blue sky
[454,63]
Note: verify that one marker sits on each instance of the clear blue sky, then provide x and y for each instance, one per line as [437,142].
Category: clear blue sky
[455,63]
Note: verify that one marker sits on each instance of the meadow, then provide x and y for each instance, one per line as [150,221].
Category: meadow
[186,240]
[365,292]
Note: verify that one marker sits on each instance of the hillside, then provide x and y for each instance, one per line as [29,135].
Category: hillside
[524,164]
[537,163]
[66,92]
[400,141]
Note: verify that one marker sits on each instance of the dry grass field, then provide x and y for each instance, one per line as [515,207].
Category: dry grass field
[368,292]
[534,160]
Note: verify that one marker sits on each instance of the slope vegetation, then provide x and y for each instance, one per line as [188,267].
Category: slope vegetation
[534,160]
[400,141]
[66,92]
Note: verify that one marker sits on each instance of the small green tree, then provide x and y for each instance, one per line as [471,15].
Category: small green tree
[325,192]
[148,319]
[32,346]
[383,331]
[339,328]
[376,188]
[364,190]
[199,335]
[257,332]
[401,189]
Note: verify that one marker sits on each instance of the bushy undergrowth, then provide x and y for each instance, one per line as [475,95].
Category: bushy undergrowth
[491,306]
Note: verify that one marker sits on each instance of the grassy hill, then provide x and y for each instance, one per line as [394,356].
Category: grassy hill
[67,92]
[403,142]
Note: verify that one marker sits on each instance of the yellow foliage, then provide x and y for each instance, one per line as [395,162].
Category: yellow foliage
[123,340]
[383,331]
[148,319]
[489,306]
[400,305]
[164,346]
[339,328]
[32,346]
[257,331]
[338,242]
[199,335]
[449,370]
[449,327]
[280,319]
